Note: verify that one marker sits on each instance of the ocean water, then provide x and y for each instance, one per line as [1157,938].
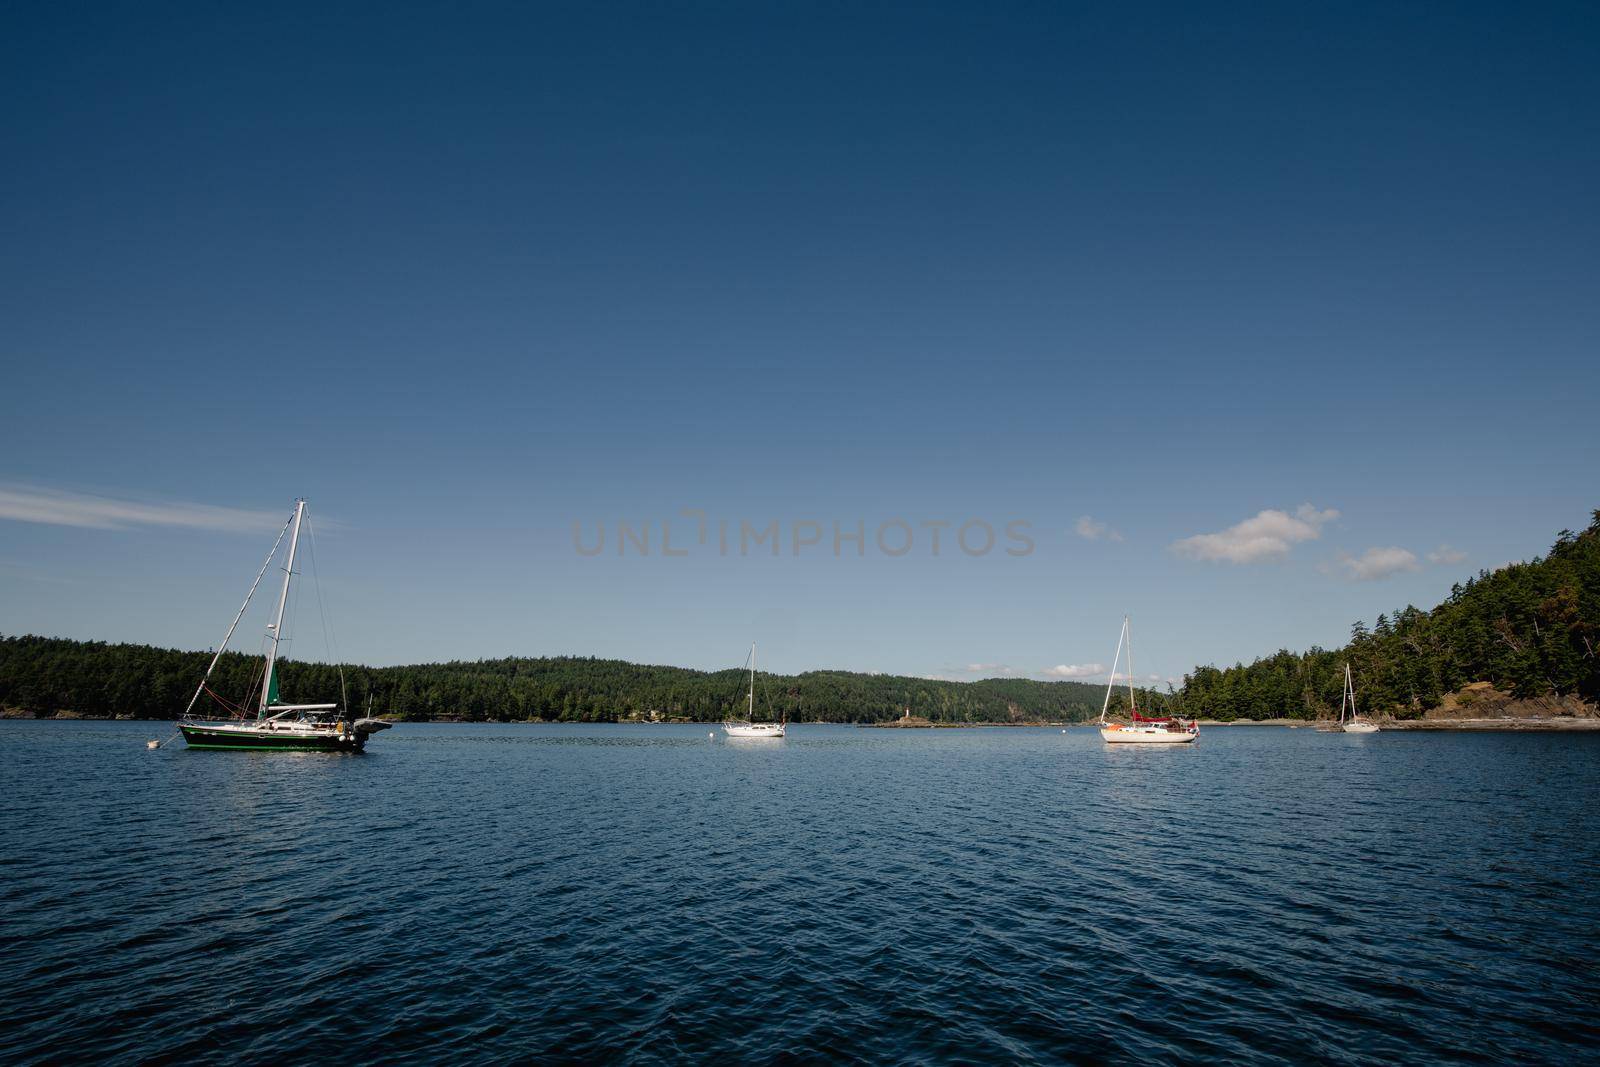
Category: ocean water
[645,893]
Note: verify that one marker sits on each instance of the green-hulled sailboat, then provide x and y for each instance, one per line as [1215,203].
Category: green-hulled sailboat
[276,726]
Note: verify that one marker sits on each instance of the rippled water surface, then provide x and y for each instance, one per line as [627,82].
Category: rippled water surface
[647,893]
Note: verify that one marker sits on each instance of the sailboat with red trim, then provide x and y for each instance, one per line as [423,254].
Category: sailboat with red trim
[1140,729]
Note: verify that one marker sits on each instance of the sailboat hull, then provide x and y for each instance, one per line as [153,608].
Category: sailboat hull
[1360,728]
[249,737]
[1129,735]
[763,729]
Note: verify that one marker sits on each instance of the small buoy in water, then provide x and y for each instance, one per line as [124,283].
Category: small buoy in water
[152,744]
[1063,731]
[712,735]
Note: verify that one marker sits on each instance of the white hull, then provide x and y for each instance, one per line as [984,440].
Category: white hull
[1360,727]
[745,729]
[1144,735]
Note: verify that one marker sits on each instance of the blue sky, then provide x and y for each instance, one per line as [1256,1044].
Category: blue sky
[465,275]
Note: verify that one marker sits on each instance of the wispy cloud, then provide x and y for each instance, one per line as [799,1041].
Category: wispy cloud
[55,507]
[1091,529]
[1268,535]
[1446,554]
[1074,670]
[1374,564]
[29,572]
[988,668]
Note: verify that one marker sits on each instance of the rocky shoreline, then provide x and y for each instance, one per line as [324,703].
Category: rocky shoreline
[1564,723]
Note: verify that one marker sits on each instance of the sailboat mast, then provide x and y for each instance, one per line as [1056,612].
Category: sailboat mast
[1111,683]
[1133,708]
[750,711]
[1349,696]
[235,625]
[283,599]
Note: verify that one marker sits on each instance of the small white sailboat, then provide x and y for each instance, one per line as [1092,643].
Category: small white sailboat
[1355,724]
[746,727]
[1140,730]
[276,726]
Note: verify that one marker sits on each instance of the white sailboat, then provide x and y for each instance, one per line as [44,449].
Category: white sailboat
[1356,724]
[1141,730]
[276,726]
[746,727]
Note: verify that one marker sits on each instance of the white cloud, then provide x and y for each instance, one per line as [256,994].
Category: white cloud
[1375,563]
[58,508]
[989,668]
[1075,670]
[1091,530]
[1266,536]
[1446,554]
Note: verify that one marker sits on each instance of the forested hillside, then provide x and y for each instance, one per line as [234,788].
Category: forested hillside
[46,675]
[1530,628]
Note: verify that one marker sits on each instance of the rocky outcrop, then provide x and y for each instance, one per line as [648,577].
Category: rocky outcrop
[1481,700]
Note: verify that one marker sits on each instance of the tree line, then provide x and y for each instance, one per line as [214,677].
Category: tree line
[44,675]
[1531,629]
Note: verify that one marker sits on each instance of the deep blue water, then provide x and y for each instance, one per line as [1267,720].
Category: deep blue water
[488,893]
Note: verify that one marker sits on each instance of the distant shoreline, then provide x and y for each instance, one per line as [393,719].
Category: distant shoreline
[1560,724]
[1568,724]
[1554,724]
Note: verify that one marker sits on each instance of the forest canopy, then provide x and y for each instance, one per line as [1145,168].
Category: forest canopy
[1529,629]
[43,675]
